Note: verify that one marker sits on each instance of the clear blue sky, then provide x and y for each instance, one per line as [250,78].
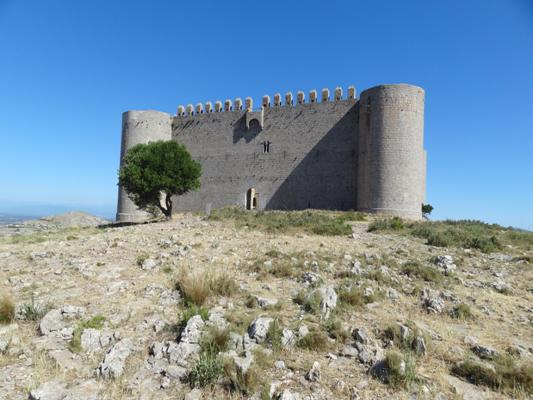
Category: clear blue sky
[68,69]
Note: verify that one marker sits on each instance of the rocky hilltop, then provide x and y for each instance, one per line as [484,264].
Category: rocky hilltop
[300,305]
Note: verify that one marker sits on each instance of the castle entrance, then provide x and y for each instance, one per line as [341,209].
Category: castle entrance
[252,199]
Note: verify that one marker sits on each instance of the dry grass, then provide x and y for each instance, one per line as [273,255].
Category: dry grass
[7,309]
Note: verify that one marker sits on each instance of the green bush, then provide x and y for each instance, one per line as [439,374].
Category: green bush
[207,369]
[315,340]
[96,322]
[505,375]
[314,222]
[389,224]
[400,369]
[462,311]
[275,334]
[428,274]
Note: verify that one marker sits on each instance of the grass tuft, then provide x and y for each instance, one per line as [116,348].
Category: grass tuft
[315,340]
[506,375]
[7,309]
[428,274]
[96,322]
[313,222]
[462,311]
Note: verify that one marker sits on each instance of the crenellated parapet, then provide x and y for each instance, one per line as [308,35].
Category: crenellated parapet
[277,101]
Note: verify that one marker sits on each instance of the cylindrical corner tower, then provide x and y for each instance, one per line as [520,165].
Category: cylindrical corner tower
[139,127]
[391,158]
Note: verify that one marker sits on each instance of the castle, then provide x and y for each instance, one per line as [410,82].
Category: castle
[325,152]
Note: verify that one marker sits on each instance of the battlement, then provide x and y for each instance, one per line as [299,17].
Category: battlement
[237,104]
[325,149]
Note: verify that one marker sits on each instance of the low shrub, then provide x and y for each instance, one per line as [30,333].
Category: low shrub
[207,369]
[335,330]
[315,340]
[314,222]
[400,369]
[310,302]
[505,375]
[416,270]
[243,383]
[33,312]
[275,334]
[224,285]
[462,311]
[389,224]
[194,287]
[7,309]
[96,322]
[141,258]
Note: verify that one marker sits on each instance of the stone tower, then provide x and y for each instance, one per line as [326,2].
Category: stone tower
[391,164]
[329,152]
[139,127]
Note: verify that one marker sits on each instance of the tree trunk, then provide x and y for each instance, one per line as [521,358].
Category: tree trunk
[168,203]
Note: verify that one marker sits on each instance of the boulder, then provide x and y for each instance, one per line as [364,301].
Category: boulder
[258,328]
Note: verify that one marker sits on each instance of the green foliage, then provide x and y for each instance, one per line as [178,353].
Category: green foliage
[505,375]
[215,340]
[315,340]
[405,342]
[7,310]
[274,334]
[354,297]
[389,224]
[191,310]
[245,383]
[313,222]
[207,369]
[310,302]
[32,312]
[462,311]
[335,330]
[463,233]
[428,274]
[141,258]
[158,167]
[400,369]
[96,322]
[426,209]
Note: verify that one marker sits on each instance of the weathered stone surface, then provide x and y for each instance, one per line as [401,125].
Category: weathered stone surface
[259,327]
[466,390]
[52,390]
[51,322]
[328,300]
[314,373]
[113,364]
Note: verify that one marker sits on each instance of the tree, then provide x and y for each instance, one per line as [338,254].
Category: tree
[426,210]
[152,173]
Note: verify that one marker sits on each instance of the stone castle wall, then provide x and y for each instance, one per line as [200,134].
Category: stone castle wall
[328,153]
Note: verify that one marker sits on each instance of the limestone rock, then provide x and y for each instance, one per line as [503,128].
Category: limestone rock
[484,352]
[113,364]
[52,390]
[148,264]
[51,322]
[311,279]
[258,328]
[193,330]
[445,264]
[314,373]
[329,300]
[288,338]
